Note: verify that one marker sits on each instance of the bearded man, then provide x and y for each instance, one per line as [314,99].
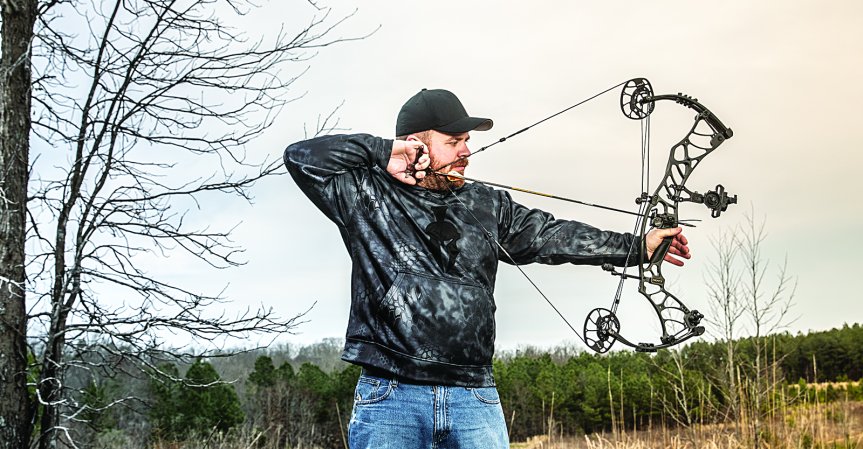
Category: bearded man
[425,247]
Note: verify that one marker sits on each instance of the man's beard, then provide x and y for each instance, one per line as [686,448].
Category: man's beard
[438,180]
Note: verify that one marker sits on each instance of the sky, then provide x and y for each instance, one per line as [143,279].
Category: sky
[785,76]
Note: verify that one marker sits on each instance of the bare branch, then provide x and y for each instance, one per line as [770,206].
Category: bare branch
[155,105]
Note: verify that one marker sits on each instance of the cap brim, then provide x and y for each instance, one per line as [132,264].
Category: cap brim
[467,124]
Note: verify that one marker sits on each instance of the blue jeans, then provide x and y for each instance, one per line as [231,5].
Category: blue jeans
[393,414]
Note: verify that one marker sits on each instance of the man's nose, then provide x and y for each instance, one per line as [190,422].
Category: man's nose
[463,150]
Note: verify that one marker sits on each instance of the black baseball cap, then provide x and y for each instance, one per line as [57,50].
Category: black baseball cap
[440,110]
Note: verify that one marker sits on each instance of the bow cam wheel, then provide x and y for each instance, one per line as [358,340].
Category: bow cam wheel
[601,328]
[635,100]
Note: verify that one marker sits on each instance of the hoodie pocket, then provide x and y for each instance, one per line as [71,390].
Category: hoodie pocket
[439,320]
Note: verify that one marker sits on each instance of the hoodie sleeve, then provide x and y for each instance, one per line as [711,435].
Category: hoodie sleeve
[328,169]
[535,236]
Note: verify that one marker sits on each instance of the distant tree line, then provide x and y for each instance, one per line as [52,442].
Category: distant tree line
[556,392]
[284,400]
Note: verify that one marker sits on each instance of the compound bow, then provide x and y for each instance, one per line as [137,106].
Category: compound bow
[678,322]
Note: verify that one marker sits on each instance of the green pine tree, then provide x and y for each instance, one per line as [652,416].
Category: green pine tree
[202,403]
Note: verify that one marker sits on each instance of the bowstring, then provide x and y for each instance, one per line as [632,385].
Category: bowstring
[503,139]
[642,209]
[491,237]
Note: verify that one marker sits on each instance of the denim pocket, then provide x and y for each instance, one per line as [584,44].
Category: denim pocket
[370,390]
[487,395]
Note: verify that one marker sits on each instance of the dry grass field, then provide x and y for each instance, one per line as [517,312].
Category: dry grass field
[836,425]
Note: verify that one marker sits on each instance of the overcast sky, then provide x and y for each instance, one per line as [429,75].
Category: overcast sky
[785,76]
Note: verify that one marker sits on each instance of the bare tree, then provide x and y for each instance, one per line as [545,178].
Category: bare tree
[768,310]
[674,373]
[748,306]
[723,287]
[140,116]
[18,17]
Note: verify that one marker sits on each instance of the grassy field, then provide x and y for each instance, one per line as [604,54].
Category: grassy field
[836,425]
[806,425]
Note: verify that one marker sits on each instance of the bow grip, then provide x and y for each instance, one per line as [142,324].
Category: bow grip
[661,250]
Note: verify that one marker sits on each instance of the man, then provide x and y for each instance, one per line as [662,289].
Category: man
[425,248]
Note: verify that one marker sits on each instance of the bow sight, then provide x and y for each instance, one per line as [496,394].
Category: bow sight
[715,200]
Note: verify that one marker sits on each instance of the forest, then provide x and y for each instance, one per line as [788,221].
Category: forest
[302,397]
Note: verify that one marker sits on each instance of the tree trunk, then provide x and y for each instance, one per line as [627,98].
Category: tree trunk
[18,18]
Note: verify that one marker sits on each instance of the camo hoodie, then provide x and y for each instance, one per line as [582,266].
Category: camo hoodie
[424,262]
